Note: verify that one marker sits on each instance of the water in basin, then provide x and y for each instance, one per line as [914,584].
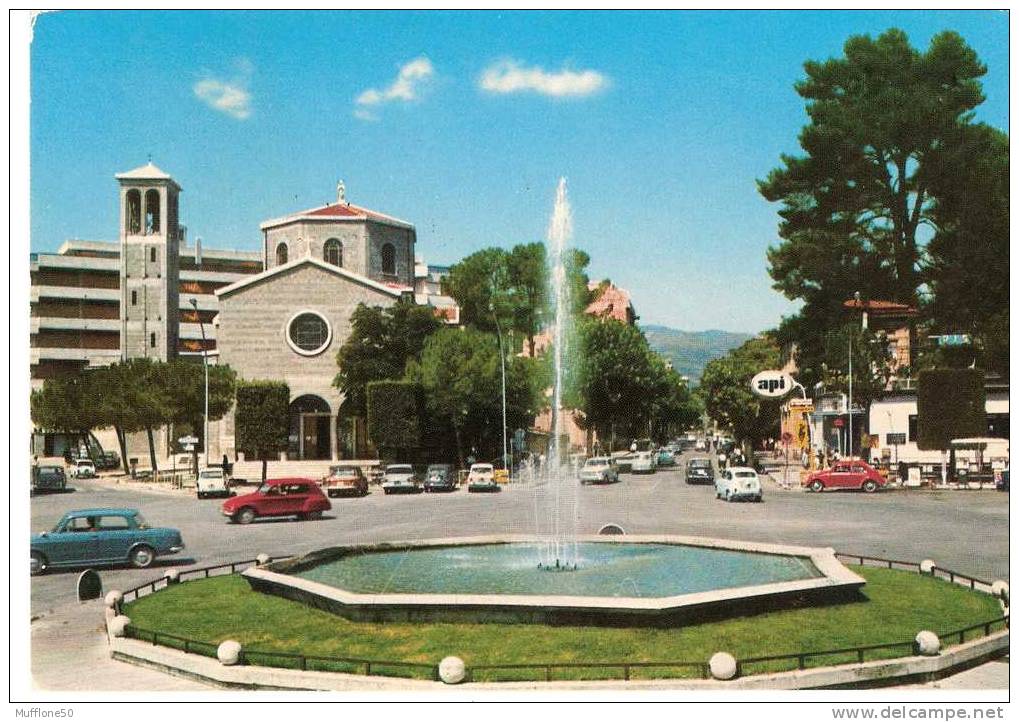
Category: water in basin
[605,570]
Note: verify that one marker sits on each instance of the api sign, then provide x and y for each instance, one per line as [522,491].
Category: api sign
[771,384]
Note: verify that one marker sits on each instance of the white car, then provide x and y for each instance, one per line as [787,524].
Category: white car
[84,469]
[738,482]
[399,479]
[599,470]
[212,482]
[643,462]
[481,477]
[699,445]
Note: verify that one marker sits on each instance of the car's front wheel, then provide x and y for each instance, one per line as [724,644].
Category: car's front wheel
[142,556]
[817,485]
[245,515]
[870,486]
[38,563]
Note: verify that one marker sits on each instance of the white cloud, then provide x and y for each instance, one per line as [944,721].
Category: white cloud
[407,87]
[228,96]
[510,76]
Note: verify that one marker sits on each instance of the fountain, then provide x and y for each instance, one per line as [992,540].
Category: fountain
[560,551]
[617,579]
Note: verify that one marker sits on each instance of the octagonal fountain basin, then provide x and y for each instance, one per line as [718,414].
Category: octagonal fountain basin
[643,580]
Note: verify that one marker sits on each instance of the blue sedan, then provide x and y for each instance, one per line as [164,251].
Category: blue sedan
[102,536]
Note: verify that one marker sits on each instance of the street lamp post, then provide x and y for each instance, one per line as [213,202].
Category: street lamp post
[856,296]
[502,359]
[205,364]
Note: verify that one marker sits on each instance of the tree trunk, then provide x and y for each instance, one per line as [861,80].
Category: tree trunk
[122,442]
[265,469]
[459,445]
[152,451]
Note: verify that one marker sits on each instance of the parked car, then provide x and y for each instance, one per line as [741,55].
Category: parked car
[599,470]
[700,471]
[102,536]
[278,497]
[643,462]
[738,483]
[345,480]
[666,458]
[481,477]
[107,460]
[624,461]
[1001,482]
[440,477]
[699,445]
[846,474]
[400,479]
[212,481]
[48,477]
[84,469]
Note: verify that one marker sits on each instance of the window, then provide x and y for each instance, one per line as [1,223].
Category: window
[134,298]
[151,212]
[113,522]
[333,252]
[152,340]
[281,254]
[913,433]
[308,333]
[997,426]
[152,254]
[134,212]
[389,259]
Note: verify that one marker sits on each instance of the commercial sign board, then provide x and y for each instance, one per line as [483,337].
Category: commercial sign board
[771,384]
[896,439]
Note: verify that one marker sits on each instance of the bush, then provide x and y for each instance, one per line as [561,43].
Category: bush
[950,404]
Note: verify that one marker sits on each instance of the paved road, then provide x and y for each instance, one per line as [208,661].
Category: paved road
[964,530]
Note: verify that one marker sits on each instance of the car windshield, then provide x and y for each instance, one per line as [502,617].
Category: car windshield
[597,462]
[745,474]
[212,474]
[436,471]
[265,488]
[482,468]
[700,464]
[342,471]
[399,469]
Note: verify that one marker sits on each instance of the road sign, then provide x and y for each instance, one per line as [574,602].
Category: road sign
[896,439]
[187,440]
[189,447]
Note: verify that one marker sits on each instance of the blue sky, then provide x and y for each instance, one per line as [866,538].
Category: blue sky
[461,123]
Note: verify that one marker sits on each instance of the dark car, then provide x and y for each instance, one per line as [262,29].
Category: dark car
[278,497]
[440,477]
[1001,483]
[107,460]
[49,477]
[700,471]
[102,536]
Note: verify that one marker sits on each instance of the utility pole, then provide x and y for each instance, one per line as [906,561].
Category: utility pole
[205,364]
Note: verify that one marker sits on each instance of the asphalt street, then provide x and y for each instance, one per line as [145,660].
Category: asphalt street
[962,530]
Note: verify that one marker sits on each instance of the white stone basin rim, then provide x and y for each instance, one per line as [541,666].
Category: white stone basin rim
[835,578]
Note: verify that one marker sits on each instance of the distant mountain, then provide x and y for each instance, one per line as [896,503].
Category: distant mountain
[690,351]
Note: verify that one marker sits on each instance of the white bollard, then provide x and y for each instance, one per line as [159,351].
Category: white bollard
[927,643]
[229,652]
[172,576]
[722,665]
[452,670]
[113,598]
[1000,589]
[927,566]
[263,559]
[118,624]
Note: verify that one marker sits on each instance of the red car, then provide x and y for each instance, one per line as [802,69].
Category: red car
[279,497]
[847,474]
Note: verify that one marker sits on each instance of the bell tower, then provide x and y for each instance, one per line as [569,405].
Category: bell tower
[149,267]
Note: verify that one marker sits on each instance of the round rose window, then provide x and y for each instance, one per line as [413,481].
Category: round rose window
[308,333]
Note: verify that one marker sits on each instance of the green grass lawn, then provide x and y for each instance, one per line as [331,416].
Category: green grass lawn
[896,606]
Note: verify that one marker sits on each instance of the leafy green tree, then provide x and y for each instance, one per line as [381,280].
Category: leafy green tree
[871,363]
[262,419]
[674,408]
[725,389]
[967,259]
[394,418]
[381,342]
[886,121]
[461,375]
[528,278]
[183,386]
[616,378]
[950,404]
[481,286]
[70,405]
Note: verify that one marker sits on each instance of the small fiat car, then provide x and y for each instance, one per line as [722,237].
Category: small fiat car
[643,462]
[599,470]
[739,483]
[86,537]
[482,478]
[440,477]
[345,480]
[846,474]
[400,479]
[278,497]
[700,471]
[212,482]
